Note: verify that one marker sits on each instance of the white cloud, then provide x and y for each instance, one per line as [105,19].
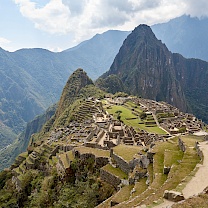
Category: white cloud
[197,8]
[86,17]
[53,17]
[4,41]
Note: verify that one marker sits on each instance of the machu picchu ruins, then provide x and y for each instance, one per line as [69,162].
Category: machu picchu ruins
[123,148]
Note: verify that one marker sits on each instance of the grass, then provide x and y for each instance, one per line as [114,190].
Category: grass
[191,139]
[64,160]
[53,161]
[115,171]
[126,152]
[178,172]
[70,155]
[172,157]
[163,182]
[23,154]
[124,194]
[140,187]
[136,123]
[96,152]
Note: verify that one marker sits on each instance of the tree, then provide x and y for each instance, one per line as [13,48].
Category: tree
[118,114]
[143,115]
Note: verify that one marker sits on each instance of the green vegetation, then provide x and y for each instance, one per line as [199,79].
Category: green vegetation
[110,84]
[182,165]
[115,171]
[131,120]
[7,136]
[96,152]
[45,189]
[140,187]
[127,152]
[7,156]
[123,194]
[172,157]
[120,94]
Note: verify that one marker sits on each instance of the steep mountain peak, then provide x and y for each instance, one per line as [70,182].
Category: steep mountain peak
[75,83]
[146,67]
[142,27]
[144,32]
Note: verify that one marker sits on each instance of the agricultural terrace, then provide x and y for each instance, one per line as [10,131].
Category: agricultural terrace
[133,120]
[182,165]
[94,151]
[127,152]
[115,171]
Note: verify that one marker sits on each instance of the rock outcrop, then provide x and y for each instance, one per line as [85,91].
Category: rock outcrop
[173,196]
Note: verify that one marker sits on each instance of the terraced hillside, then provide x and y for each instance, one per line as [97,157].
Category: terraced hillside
[97,151]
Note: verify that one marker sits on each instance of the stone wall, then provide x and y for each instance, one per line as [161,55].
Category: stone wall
[17,182]
[95,145]
[66,148]
[86,156]
[100,135]
[173,196]
[198,150]
[122,164]
[99,161]
[109,144]
[110,178]
[150,156]
[54,151]
[181,145]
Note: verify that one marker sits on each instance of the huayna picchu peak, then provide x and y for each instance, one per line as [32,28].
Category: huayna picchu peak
[148,69]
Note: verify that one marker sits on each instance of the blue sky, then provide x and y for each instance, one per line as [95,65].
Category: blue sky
[60,24]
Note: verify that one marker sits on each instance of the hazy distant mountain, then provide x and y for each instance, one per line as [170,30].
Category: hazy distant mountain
[97,53]
[185,35]
[32,79]
[148,69]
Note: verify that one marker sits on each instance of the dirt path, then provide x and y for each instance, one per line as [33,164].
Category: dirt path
[165,204]
[200,181]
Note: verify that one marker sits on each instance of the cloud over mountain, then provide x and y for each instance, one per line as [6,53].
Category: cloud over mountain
[86,17]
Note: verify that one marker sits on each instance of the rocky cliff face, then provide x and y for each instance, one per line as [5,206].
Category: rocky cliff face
[148,69]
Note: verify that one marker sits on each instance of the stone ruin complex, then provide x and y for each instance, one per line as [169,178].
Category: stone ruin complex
[96,134]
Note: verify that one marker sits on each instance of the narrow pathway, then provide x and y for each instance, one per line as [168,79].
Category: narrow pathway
[165,204]
[200,181]
[158,124]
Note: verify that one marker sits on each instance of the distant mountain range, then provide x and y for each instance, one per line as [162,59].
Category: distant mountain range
[145,67]
[32,79]
[185,35]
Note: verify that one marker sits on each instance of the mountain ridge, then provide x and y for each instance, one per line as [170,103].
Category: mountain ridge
[185,35]
[32,79]
[148,69]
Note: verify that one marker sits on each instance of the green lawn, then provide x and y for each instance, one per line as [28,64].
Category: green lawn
[123,194]
[115,171]
[126,113]
[127,152]
[191,139]
[96,152]
[172,157]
